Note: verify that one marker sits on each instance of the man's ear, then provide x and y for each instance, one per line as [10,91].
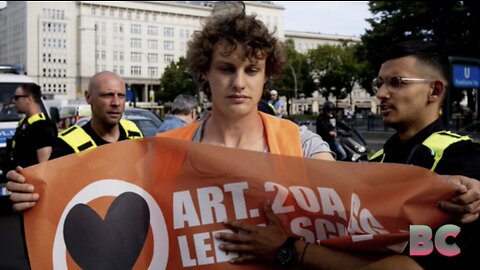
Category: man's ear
[437,91]
[87,96]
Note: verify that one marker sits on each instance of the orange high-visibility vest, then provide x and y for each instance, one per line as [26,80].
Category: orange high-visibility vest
[283,136]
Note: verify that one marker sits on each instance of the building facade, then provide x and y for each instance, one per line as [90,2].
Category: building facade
[62,44]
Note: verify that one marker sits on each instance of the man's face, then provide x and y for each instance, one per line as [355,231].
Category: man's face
[274,96]
[403,105]
[21,100]
[107,100]
[329,113]
[236,83]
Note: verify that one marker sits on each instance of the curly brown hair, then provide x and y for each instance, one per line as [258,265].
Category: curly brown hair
[237,29]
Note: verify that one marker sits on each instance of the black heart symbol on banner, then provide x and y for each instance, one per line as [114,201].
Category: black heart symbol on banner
[113,243]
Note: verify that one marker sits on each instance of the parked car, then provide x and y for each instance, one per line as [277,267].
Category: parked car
[146,125]
[145,113]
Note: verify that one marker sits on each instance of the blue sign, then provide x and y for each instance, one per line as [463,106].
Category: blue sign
[130,95]
[466,76]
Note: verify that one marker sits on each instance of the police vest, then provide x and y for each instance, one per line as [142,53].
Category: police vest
[30,120]
[79,140]
[437,142]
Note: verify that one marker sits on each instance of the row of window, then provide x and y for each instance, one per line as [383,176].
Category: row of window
[137,43]
[153,16]
[54,72]
[55,88]
[54,43]
[137,70]
[54,58]
[57,14]
[134,70]
[152,30]
[51,27]
[123,13]
[151,44]
[134,56]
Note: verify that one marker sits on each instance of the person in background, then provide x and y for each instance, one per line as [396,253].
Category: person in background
[264,106]
[277,103]
[327,128]
[184,112]
[35,133]
[32,143]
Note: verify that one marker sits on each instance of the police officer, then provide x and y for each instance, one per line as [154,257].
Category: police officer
[411,86]
[32,143]
[35,133]
[106,95]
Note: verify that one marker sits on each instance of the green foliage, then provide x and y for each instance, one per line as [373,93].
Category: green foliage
[296,64]
[332,69]
[453,25]
[176,80]
[335,69]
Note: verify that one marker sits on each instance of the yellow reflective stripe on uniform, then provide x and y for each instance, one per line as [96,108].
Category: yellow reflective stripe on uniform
[32,119]
[132,131]
[21,121]
[36,117]
[439,141]
[77,138]
[377,154]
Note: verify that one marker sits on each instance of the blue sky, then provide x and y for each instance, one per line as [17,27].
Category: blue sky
[328,17]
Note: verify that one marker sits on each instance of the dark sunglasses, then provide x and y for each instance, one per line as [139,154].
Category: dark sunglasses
[17,97]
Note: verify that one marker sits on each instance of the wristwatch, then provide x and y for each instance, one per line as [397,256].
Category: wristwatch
[286,254]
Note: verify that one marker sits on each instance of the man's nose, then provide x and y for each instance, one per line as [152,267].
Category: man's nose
[239,80]
[383,92]
[116,100]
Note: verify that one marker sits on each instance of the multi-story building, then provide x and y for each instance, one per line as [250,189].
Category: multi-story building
[62,44]
[305,41]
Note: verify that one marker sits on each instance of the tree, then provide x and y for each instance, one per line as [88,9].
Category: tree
[453,25]
[176,80]
[296,64]
[335,69]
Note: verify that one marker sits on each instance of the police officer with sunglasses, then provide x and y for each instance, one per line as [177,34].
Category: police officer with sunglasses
[35,133]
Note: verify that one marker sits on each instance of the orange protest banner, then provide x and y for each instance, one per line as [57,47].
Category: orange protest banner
[156,204]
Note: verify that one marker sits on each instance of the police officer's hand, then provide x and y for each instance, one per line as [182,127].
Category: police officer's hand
[22,194]
[466,202]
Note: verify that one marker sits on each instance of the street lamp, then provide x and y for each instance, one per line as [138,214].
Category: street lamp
[294,81]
